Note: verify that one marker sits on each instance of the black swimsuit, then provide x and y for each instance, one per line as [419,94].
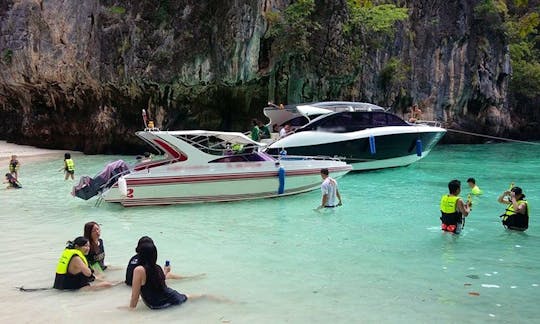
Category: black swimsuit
[161,298]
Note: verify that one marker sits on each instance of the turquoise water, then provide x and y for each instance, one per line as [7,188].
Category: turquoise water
[379,258]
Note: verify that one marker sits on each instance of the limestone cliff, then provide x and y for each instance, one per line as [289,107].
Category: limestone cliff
[76,74]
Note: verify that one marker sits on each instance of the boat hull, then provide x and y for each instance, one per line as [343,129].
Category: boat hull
[176,185]
[365,150]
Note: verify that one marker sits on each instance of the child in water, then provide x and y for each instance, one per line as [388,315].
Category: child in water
[14,166]
[12,182]
[69,167]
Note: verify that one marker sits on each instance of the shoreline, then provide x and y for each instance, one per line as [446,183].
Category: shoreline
[26,153]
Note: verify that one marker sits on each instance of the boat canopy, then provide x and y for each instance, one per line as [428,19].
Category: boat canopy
[230,137]
[295,115]
[300,114]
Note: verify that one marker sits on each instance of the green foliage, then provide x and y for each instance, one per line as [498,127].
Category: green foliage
[366,17]
[522,26]
[393,75]
[117,10]
[162,14]
[293,29]
[7,56]
[528,24]
[490,8]
[491,15]
[526,79]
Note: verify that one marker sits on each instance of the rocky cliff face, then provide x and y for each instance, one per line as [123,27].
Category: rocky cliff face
[76,74]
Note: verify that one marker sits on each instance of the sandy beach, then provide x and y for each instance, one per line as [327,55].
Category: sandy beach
[27,153]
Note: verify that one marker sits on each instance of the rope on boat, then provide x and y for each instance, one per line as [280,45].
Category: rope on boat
[492,137]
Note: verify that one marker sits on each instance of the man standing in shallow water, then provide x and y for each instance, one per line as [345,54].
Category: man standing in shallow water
[330,191]
[453,209]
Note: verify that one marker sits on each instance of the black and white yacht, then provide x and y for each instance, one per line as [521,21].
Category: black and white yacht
[361,134]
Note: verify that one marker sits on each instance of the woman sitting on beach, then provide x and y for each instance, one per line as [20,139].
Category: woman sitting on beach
[12,182]
[137,261]
[149,282]
[96,255]
[72,271]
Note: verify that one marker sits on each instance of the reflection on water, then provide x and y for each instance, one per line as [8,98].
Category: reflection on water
[379,258]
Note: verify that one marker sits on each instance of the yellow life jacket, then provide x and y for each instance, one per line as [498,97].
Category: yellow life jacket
[70,165]
[510,209]
[476,190]
[63,263]
[449,204]
[13,165]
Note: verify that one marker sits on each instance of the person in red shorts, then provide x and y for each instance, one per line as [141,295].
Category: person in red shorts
[453,209]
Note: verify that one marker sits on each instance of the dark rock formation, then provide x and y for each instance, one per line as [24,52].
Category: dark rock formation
[76,74]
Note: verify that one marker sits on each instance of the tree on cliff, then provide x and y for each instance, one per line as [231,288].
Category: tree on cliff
[353,28]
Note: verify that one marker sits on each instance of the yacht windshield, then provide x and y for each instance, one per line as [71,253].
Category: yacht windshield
[352,121]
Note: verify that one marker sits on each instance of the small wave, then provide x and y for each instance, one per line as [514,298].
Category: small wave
[490,286]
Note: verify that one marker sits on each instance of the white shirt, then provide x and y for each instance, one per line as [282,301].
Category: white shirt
[329,188]
[282,132]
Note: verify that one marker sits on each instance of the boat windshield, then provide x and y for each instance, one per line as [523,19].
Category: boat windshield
[216,145]
[351,121]
[244,157]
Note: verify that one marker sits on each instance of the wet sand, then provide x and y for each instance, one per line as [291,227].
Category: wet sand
[27,153]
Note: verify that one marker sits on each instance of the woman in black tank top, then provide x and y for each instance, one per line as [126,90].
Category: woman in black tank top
[149,282]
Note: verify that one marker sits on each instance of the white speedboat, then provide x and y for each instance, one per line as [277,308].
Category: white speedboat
[361,134]
[212,166]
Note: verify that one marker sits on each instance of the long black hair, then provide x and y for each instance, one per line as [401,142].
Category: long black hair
[148,257]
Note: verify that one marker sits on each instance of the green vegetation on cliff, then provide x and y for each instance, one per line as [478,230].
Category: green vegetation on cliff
[308,34]
[523,30]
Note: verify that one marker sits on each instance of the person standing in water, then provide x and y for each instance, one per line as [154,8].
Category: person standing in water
[14,166]
[475,190]
[69,167]
[453,209]
[330,191]
[516,215]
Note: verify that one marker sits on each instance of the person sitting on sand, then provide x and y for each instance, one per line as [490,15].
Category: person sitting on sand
[136,261]
[12,182]
[96,254]
[72,271]
[149,283]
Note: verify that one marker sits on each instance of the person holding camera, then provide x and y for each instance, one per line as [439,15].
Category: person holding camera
[516,215]
[453,209]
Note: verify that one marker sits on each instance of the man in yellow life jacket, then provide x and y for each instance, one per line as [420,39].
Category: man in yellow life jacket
[516,215]
[453,209]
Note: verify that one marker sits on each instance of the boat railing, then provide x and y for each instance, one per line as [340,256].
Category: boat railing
[304,157]
[433,123]
[112,180]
